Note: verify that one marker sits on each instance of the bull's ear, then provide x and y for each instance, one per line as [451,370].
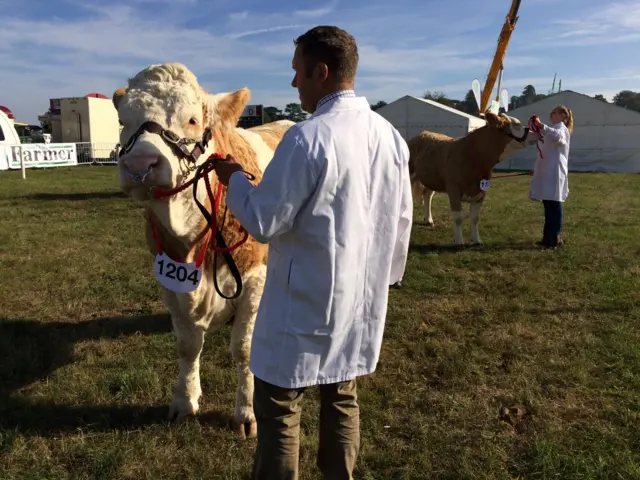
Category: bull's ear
[496,121]
[492,119]
[117,96]
[231,105]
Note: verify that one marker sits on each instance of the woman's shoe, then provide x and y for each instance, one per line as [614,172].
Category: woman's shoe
[543,243]
[555,243]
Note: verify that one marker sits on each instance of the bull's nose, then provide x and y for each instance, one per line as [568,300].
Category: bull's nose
[141,163]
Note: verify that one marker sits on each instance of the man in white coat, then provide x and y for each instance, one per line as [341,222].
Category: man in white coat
[335,206]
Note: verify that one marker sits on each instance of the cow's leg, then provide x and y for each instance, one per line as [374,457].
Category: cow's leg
[455,201]
[474,219]
[190,339]
[428,197]
[244,418]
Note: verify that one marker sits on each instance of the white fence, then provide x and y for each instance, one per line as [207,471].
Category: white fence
[96,152]
[46,155]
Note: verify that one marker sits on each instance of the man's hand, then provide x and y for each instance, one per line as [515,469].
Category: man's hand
[224,169]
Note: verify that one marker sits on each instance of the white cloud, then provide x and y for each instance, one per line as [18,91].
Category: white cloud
[249,33]
[402,50]
[164,2]
[238,15]
[318,12]
[606,94]
[278,98]
[603,24]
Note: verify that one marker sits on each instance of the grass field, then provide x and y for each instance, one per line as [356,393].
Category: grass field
[499,363]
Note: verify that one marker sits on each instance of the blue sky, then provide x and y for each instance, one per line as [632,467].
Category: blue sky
[60,48]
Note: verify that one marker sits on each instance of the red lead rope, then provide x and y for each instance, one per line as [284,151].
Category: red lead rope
[533,126]
[161,193]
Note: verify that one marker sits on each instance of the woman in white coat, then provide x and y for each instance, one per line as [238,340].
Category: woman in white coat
[550,182]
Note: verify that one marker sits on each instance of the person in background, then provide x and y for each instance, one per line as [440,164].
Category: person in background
[550,182]
[336,208]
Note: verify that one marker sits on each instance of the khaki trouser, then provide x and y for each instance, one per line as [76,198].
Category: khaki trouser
[277,413]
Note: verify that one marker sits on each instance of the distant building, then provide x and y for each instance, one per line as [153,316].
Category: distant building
[251,116]
[91,118]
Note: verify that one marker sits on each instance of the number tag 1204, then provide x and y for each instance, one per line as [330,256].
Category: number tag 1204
[485,184]
[177,276]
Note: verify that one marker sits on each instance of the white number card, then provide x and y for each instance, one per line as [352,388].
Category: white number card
[485,184]
[177,276]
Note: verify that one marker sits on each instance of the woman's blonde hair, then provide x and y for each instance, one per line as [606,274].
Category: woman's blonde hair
[567,116]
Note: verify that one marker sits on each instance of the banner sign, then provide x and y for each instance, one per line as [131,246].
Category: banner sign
[39,155]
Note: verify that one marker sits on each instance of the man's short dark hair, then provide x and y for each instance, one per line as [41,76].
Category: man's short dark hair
[330,45]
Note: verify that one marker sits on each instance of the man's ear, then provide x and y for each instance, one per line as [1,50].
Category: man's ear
[231,105]
[321,71]
[117,96]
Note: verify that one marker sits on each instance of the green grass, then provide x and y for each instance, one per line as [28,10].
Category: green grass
[502,362]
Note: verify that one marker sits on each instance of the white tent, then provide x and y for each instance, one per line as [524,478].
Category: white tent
[411,115]
[606,137]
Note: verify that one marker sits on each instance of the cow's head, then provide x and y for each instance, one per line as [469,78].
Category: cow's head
[507,134]
[167,119]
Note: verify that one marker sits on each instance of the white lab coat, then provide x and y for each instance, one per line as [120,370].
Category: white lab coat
[550,173]
[335,206]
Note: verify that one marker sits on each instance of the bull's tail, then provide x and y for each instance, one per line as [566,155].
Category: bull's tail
[416,187]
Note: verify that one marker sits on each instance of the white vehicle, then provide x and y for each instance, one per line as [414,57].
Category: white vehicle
[8,134]
[8,137]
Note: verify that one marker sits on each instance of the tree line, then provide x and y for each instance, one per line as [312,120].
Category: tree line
[625,98]
[293,111]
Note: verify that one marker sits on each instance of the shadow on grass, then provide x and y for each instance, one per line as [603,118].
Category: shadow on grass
[72,196]
[32,350]
[50,419]
[486,248]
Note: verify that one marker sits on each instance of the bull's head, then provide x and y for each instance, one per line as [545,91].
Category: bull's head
[168,120]
[510,134]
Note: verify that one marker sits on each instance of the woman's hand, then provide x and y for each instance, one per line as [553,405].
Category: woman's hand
[537,122]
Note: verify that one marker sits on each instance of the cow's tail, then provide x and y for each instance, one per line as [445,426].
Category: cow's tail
[416,187]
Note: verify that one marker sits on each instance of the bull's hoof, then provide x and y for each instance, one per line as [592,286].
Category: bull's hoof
[244,430]
[181,410]
[478,243]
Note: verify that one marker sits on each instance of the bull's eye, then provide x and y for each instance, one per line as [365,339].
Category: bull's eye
[193,121]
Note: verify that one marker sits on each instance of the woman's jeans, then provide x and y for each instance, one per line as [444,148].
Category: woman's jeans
[553,217]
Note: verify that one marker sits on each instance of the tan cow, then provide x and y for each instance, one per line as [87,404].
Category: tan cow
[462,167]
[170,126]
